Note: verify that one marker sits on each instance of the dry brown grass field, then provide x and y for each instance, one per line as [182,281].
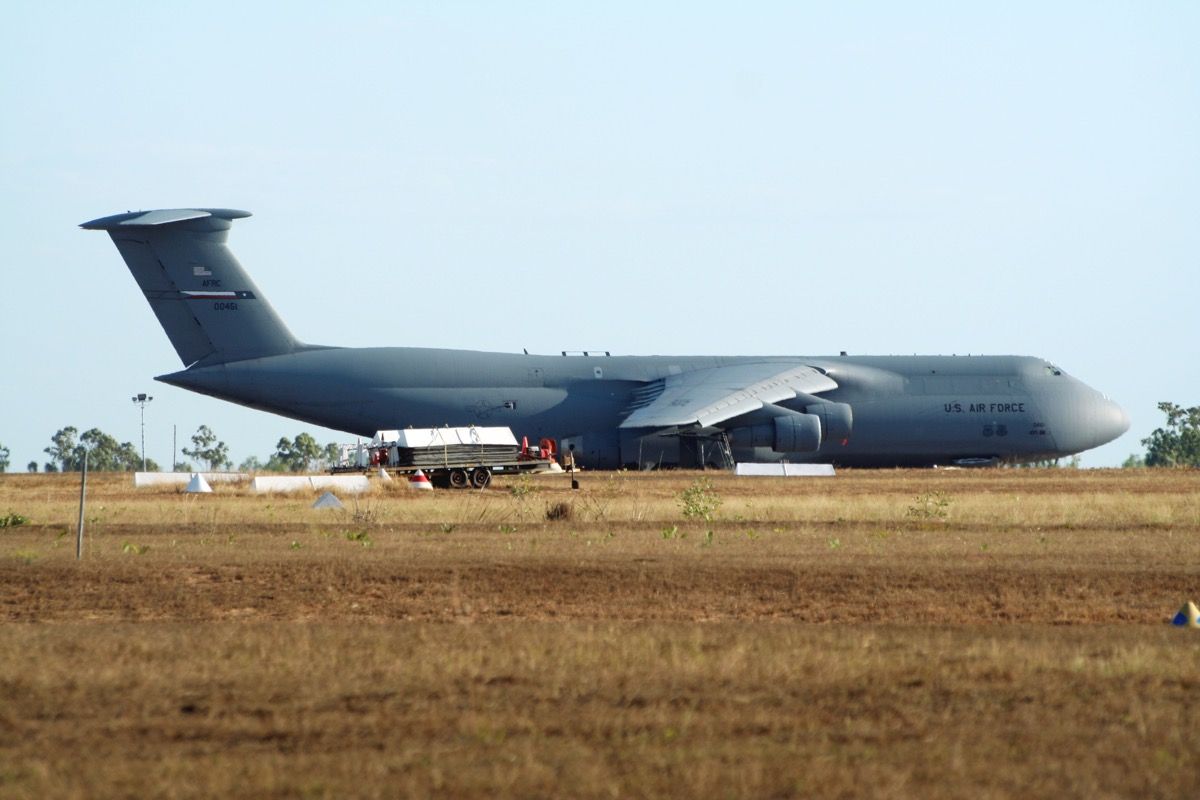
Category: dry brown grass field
[990,633]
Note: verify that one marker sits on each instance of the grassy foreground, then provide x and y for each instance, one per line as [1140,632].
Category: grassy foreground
[881,634]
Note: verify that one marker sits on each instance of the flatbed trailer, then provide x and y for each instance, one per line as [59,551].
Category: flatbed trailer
[461,474]
[453,458]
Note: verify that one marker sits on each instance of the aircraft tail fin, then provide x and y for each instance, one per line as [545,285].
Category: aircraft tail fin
[210,309]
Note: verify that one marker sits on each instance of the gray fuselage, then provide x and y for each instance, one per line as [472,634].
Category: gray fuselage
[907,410]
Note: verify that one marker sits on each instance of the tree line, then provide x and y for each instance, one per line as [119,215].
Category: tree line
[298,454]
[68,447]
[105,454]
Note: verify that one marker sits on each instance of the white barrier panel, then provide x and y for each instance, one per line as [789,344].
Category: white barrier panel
[281,483]
[346,483]
[143,479]
[784,470]
[305,483]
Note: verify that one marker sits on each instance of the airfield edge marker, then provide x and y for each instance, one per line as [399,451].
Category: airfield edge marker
[82,497]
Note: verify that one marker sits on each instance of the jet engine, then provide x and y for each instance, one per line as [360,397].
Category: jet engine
[790,431]
[837,419]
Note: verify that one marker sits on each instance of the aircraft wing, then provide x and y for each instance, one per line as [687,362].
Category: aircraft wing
[707,396]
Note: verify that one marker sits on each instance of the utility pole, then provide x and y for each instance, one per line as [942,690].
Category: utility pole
[141,399]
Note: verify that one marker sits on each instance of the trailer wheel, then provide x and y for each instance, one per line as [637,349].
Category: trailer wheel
[481,477]
[459,479]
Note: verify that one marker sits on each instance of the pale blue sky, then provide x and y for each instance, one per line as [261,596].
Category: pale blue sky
[769,178]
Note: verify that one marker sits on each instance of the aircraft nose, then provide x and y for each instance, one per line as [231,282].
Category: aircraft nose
[1096,421]
[1103,420]
[1112,421]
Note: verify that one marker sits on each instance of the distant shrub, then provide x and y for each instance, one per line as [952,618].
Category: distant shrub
[558,511]
[700,500]
[12,520]
[364,514]
[362,537]
[930,506]
[522,487]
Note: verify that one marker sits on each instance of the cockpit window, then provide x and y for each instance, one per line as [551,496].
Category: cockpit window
[1053,370]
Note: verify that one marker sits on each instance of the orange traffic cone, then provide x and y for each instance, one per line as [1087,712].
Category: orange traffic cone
[418,481]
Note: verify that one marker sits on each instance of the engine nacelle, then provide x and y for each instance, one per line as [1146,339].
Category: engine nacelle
[788,433]
[797,434]
[837,420]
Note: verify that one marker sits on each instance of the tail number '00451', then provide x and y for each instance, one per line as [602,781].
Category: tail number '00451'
[225,307]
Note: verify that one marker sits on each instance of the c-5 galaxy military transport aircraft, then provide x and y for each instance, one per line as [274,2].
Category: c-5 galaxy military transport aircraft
[610,410]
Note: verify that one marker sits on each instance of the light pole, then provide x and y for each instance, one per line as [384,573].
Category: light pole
[141,399]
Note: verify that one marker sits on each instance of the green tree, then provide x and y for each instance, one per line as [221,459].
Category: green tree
[3,458]
[1133,462]
[281,459]
[104,453]
[1177,444]
[102,450]
[32,466]
[296,455]
[64,450]
[252,464]
[331,454]
[207,448]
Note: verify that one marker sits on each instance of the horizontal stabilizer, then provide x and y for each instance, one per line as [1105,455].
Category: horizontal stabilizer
[163,216]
